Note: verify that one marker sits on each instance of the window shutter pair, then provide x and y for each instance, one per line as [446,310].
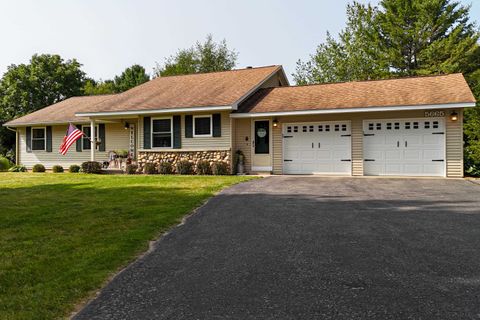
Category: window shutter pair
[48,139]
[147,133]
[217,125]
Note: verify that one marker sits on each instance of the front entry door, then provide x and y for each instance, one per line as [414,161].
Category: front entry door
[261,160]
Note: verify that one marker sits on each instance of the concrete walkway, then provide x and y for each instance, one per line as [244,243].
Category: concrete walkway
[312,248]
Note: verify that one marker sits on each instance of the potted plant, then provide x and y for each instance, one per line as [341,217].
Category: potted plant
[240,157]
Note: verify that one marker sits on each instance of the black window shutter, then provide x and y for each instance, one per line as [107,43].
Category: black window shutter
[49,139]
[177,135]
[147,144]
[79,141]
[29,138]
[189,126]
[217,125]
[101,136]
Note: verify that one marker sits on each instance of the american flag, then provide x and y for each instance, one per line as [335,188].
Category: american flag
[72,135]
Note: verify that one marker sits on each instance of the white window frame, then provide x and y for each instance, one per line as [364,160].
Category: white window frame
[84,137]
[171,132]
[44,138]
[211,127]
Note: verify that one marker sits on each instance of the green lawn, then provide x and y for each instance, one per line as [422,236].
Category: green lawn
[63,235]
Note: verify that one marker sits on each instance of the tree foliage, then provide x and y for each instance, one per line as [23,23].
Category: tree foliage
[129,78]
[25,88]
[403,38]
[208,56]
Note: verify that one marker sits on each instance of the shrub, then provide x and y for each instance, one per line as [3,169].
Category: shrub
[4,164]
[131,168]
[203,167]
[165,168]
[18,169]
[184,167]
[150,168]
[122,153]
[38,168]
[74,168]
[57,169]
[220,168]
[91,167]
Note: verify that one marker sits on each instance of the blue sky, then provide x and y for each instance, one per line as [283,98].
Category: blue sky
[107,36]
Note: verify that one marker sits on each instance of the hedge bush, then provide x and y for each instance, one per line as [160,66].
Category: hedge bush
[131,168]
[18,169]
[57,169]
[38,168]
[74,168]
[4,164]
[184,167]
[165,168]
[91,167]
[203,167]
[150,168]
[220,169]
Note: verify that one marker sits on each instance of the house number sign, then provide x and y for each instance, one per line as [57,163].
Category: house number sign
[131,146]
[434,114]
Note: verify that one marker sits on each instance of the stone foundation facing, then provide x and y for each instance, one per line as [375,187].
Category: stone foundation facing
[212,156]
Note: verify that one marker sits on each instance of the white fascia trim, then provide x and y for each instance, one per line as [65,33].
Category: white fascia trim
[250,92]
[44,123]
[155,111]
[352,110]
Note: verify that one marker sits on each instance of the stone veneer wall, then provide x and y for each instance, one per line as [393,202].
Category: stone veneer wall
[173,157]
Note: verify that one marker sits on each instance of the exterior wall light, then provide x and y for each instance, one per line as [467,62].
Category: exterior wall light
[127,125]
[454,116]
[275,123]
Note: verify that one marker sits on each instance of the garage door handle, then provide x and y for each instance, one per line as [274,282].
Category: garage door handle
[368,134]
[368,159]
[288,136]
[345,160]
[319,145]
[439,160]
[286,160]
[406,144]
[438,132]
[398,144]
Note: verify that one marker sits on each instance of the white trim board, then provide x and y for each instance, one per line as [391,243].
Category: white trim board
[153,111]
[268,168]
[353,110]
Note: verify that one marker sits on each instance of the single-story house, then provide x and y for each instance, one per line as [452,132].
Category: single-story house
[399,127]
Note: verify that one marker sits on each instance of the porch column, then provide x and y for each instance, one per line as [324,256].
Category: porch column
[93,140]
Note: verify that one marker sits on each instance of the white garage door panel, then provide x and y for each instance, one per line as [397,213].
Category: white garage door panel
[317,148]
[411,147]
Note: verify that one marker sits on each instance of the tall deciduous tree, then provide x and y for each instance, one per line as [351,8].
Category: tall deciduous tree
[131,77]
[208,56]
[403,38]
[25,88]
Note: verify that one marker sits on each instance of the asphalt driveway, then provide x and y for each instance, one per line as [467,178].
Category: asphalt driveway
[312,248]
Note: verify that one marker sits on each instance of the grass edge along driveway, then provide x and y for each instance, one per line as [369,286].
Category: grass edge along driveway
[63,235]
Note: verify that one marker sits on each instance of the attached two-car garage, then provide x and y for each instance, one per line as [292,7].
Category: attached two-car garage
[396,147]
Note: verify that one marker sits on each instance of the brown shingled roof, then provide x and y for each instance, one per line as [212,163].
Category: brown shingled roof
[428,90]
[61,112]
[195,90]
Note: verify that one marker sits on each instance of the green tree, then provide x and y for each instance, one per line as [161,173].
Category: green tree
[131,77]
[202,57]
[25,88]
[93,87]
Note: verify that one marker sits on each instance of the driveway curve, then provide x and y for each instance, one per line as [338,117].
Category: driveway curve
[312,248]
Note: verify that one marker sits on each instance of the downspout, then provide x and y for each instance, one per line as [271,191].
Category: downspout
[16,144]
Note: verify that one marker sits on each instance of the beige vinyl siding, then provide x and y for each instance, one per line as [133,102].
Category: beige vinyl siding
[242,133]
[454,137]
[115,135]
[357,147]
[197,143]
[454,146]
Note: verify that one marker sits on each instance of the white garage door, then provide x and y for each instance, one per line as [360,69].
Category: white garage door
[317,148]
[408,147]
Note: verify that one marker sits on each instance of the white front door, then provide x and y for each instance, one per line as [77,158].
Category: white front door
[404,147]
[317,148]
